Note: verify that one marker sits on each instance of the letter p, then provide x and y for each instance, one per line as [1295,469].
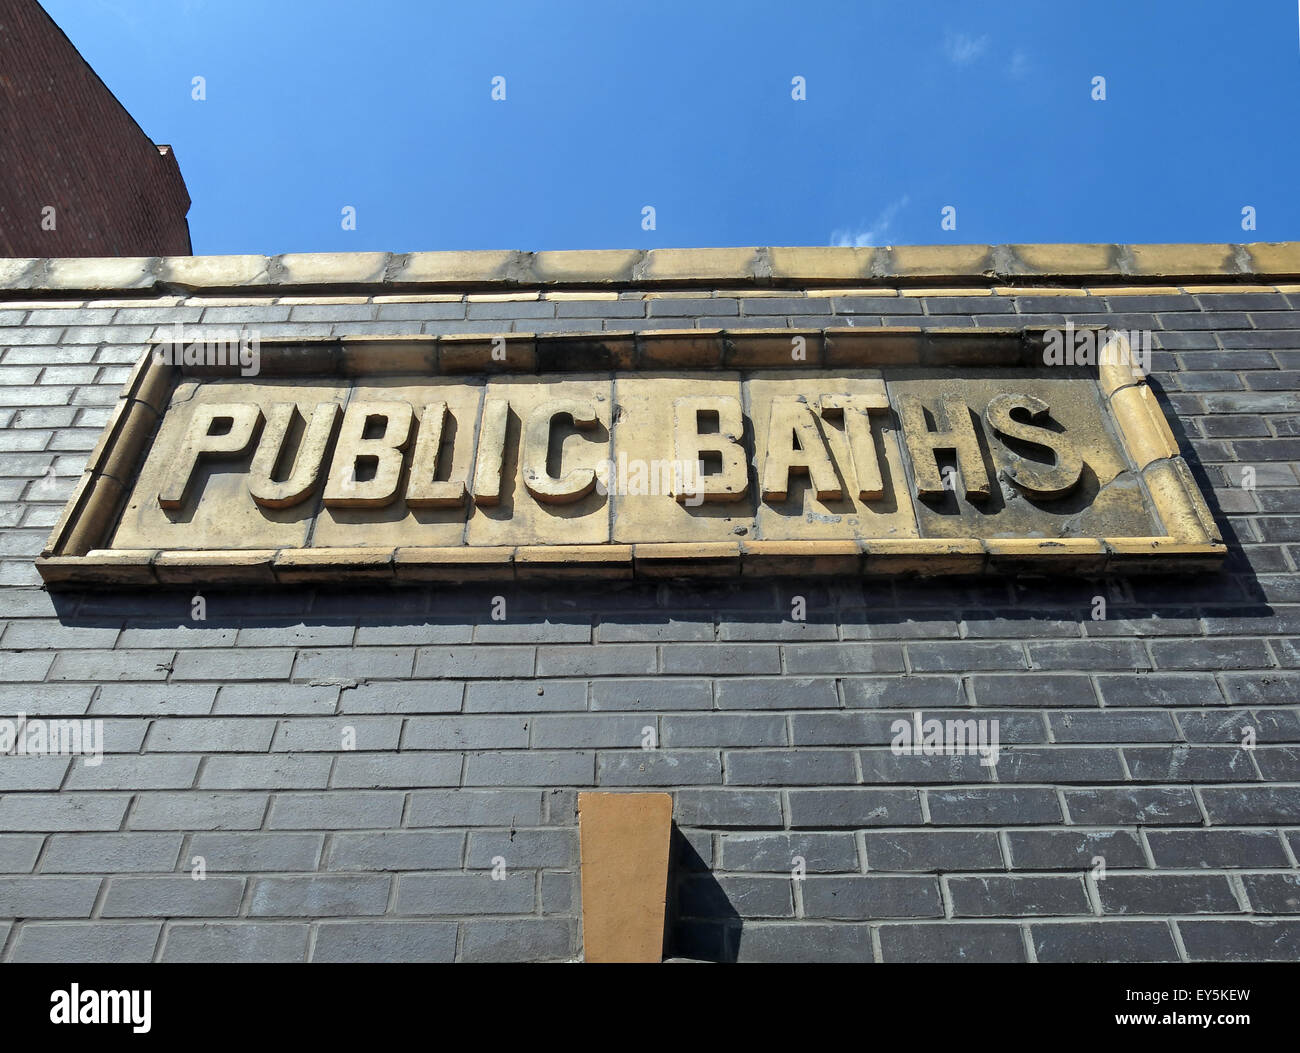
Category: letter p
[215,430]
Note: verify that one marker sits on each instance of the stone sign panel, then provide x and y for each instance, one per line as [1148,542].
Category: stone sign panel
[655,454]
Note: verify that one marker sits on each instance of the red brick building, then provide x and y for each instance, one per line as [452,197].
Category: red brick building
[80,178]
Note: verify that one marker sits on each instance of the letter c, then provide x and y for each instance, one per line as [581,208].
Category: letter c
[575,484]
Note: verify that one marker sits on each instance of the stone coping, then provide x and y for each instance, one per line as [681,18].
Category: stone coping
[775,267]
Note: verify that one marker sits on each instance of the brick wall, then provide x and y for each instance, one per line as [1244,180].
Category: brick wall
[68,144]
[1121,738]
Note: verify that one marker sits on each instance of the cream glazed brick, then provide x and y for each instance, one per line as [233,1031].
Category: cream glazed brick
[418,298]
[230,301]
[320,301]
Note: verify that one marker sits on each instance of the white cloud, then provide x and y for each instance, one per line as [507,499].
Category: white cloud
[876,233]
[963,49]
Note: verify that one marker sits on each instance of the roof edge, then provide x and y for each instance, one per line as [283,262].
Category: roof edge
[775,267]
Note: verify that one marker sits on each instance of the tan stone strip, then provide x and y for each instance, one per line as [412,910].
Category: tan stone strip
[509,297]
[216,566]
[99,567]
[1154,555]
[1034,290]
[675,559]
[1230,287]
[1279,257]
[1133,290]
[844,291]
[418,298]
[1193,543]
[969,291]
[207,272]
[925,557]
[37,305]
[151,301]
[1036,555]
[757,294]
[792,558]
[300,566]
[554,562]
[625,840]
[322,301]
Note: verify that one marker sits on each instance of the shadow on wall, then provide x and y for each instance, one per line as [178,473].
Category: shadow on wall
[1235,560]
[702,923]
[677,612]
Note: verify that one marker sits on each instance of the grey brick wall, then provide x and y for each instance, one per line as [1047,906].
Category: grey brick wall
[1122,738]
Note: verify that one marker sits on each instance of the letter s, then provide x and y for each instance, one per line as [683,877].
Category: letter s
[1033,477]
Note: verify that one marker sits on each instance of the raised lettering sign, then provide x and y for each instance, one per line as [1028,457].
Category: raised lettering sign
[887,451]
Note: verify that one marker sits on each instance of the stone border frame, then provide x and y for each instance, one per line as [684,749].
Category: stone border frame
[73,554]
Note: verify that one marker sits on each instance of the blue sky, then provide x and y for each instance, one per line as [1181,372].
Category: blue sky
[385,106]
